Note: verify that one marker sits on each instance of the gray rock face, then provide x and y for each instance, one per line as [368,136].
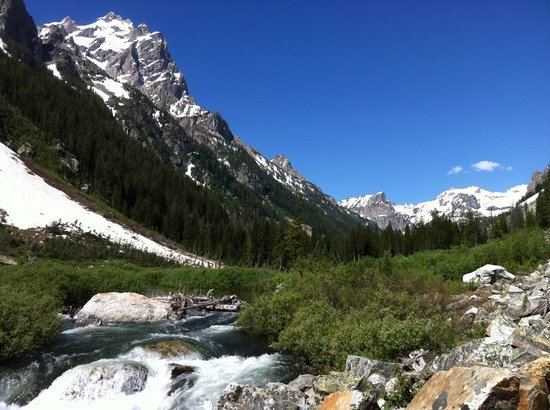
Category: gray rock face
[17,25]
[537,178]
[283,162]
[477,352]
[378,209]
[275,396]
[363,367]
[129,54]
[302,382]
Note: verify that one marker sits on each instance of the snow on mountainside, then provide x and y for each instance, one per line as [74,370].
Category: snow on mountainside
[454,203]
[30,202]
[378,209]
[3,47]
[130,55]
[118,53]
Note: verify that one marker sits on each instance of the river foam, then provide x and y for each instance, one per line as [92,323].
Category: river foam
[218,364]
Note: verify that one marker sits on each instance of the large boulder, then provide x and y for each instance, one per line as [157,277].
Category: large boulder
[167,349]
[363,367]
[335,381]
[102,379]
[348,400]
[500,329]
[275,396]
[303,382]
[486,352]
[481,388]
[488,274]
[116,307]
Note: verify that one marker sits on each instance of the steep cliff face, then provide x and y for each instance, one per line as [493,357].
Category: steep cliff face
[537,178]
[378,209]
[17,25]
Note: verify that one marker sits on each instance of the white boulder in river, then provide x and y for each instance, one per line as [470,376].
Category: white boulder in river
[488,274]
[116,307]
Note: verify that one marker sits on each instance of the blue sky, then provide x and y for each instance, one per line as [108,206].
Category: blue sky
[365,96]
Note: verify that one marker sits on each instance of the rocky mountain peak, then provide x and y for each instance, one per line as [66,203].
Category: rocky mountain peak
[537,178]
[17,25]
[129,55]
[111,16]
[112,53]
[283,162]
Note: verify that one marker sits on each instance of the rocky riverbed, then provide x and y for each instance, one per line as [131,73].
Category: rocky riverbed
[168,364]
[509,368]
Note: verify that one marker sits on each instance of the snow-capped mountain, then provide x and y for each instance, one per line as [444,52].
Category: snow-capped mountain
[378,209]
[453,203]
[129,55]
[116,58]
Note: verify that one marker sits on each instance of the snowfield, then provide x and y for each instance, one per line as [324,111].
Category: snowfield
[30,202]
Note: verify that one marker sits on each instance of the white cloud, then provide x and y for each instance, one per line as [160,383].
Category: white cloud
[455,170]
[487,166]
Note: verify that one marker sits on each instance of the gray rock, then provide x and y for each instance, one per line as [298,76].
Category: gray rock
[275,396]
[485,352]
[116,307]
[488,274]
[336,381]
[501,328]
[302,382]
[364,367]
[99,379]
[6,260]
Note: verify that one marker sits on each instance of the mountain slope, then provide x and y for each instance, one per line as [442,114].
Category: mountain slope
[112,56]
[454,203]
[33,203]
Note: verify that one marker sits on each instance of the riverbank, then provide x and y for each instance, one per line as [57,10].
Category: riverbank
[506,367]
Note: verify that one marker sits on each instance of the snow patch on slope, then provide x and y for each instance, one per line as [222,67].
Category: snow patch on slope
[3,47]
[53,68]
[31,203]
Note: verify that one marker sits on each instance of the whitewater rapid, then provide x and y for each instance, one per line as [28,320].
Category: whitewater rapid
[225,355]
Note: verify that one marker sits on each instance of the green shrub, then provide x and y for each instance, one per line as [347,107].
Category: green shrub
[27,321]
[380,308]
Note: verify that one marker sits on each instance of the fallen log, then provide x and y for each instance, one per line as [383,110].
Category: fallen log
[194,304]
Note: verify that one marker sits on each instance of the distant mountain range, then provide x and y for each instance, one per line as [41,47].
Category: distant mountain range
[453,203]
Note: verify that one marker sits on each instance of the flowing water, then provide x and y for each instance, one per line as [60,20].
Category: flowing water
[60,377]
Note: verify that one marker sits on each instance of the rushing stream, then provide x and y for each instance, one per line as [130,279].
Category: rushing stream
[226,355]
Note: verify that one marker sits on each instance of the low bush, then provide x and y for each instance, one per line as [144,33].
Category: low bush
[27,320]
[380,308]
